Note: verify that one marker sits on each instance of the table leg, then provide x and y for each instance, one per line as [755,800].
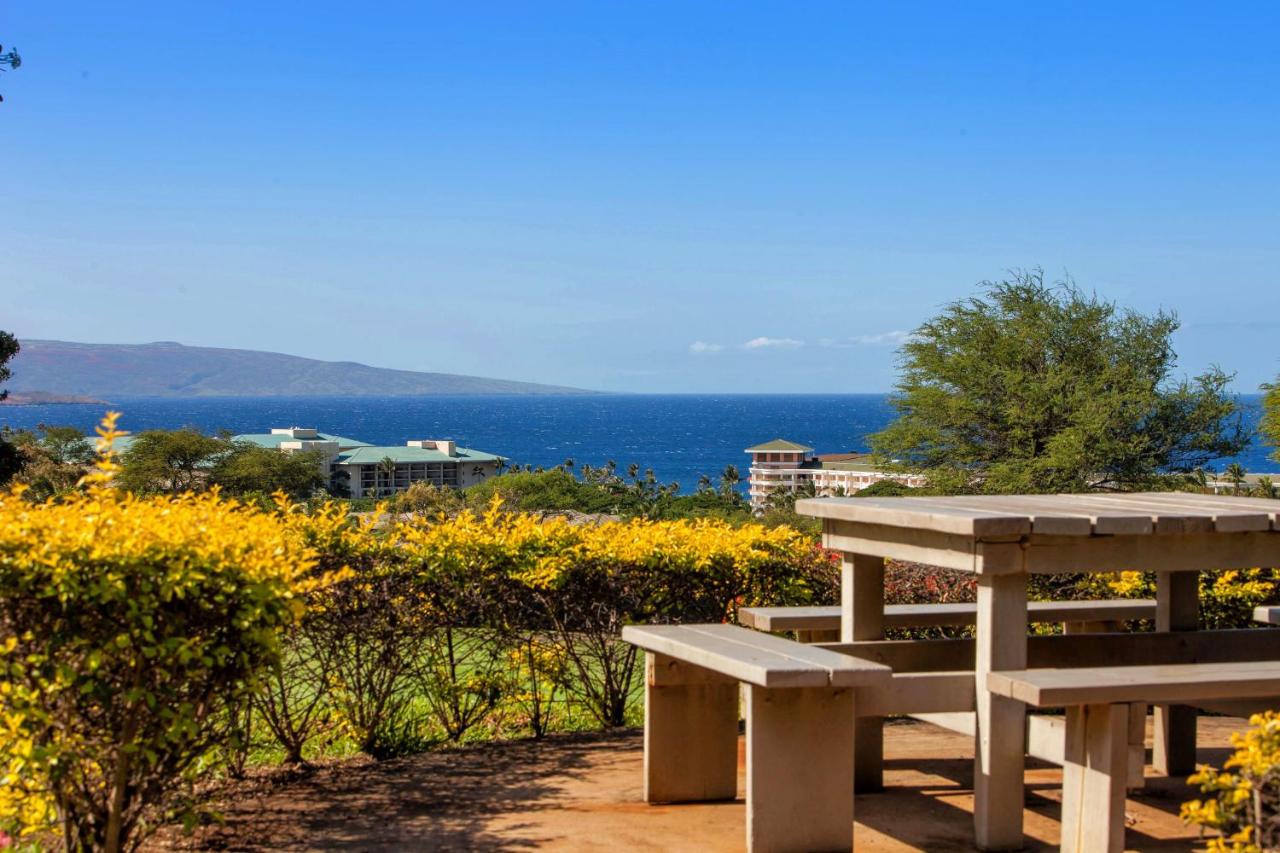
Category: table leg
[998,753]
[1173,750]
[862,606]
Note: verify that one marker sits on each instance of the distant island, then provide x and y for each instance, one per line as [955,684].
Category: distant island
[167,369]
[45,398]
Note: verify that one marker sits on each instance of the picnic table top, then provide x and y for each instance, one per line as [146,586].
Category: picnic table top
[1093,514]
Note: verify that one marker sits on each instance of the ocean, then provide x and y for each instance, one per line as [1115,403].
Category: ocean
[679,436]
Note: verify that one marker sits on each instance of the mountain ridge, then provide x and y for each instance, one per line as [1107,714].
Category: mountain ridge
[172,369]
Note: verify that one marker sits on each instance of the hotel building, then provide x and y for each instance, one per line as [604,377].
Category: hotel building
[366,470]
[782,464]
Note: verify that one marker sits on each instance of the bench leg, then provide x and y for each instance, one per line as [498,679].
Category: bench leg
[690,733]
[862,618]
[1173,751]
[1137,746]
[1094,775]
[800,754]
[1001,723]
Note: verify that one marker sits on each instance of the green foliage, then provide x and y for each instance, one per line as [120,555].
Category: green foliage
[130,627]
[1270,424]
[1041,388]
[884,489]
[248,469]
[1244,797]
[54,459]
[9,347]
[169,461]
[10,459]
[428,500]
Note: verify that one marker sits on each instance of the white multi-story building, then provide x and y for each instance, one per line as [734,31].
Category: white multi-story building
[782,464]
[366,470]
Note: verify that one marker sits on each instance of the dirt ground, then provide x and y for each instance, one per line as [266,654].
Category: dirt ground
[582,793]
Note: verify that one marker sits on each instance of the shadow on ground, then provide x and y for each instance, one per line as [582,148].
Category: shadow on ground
[446,800]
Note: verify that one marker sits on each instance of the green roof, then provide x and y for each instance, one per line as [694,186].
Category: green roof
[779,444]
[373,455]
[274,440]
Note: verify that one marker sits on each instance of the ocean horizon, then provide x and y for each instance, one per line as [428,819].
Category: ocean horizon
[679,436]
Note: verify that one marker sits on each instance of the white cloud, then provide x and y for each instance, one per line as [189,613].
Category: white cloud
[775,343]
[704,348]
[894,338]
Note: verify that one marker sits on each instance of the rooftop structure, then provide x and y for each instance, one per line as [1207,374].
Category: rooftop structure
[790,466]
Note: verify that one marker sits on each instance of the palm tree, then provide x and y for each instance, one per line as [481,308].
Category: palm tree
[729,479]
[1265,487]
[1235,475]
[568,464]
[387,468]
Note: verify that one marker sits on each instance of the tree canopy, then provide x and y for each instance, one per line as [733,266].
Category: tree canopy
[1035,387]
[10,459]
[183,460]
[1270,425]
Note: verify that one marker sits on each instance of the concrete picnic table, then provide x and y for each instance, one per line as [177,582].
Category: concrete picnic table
[1003,540]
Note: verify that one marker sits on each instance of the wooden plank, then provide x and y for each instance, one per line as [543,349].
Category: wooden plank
[755,657]
[1056,688]
[1230,502]
[945,550]
[919,513]
[1228,517]
[752,664]
[1190,552]
[663,671]
[1269,615]
[1163,520]
[1079,650]
[1046,518]
[827,617]
[919,693]
[1104,520]
[1172,515]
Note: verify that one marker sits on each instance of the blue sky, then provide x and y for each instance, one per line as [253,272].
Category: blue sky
[632,197]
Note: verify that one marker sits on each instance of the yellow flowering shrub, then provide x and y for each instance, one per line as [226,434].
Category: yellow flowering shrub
[129,626]
[1244,801]
[583,582]
[1227,598]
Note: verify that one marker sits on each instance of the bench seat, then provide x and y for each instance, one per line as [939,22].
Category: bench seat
[1167,683]
[827,618]
[1097,702]
[800,709]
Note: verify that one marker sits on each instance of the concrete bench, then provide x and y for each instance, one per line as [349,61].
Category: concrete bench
[1097,700]
[800,704]
[822,624]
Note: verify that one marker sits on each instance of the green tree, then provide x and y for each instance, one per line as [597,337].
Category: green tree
[55,458]
[1030,387]
[172,461]
[1265,487]
[729,480]
[386,473]
[11,59]
[249,468]
[1270,425]
[1235,475]
[10,459]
